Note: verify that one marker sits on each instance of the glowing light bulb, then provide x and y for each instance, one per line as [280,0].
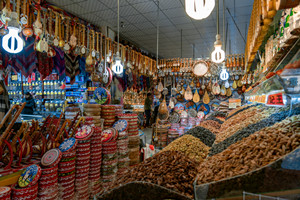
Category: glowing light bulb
[199,9]
[16,43]
[218,55]
[224,75]
[117,66]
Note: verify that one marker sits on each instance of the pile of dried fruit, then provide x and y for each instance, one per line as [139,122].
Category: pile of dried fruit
[205,135]
[240,109]
[240,121]
[211,125]
[169,169]
[215,119]
[252,128]
[191,146]
[259,149]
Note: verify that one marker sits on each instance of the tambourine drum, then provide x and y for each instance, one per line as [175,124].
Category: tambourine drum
[200,68]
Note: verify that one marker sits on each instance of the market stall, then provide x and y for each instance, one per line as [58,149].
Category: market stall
[75,95]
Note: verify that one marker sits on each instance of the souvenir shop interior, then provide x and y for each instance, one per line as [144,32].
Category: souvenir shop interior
[149,99]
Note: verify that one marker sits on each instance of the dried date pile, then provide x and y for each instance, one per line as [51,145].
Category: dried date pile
[257,150]
[243,122]
[211,125]
[205,135]
[191,146]
[240,109]
[214,119]
[252,128]
[169,169]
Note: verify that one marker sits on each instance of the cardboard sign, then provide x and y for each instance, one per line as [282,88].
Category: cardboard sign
[233,103]
[275,99]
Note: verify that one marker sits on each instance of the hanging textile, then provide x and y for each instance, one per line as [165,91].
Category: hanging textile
[59,61]
[72,66]
[26,61]
[45,64]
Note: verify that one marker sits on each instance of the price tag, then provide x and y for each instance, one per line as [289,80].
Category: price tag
[275,99]
[235,102]
[14,77]
[232,105]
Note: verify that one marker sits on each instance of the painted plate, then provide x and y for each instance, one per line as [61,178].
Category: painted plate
[4,191]
[67,145]
[179,107]
[174,117]
[204,108]
[30,176]
[84,132]
[190,105]
[121,125]
[107,135]
[200,114]
[192,113]
[51,158]
[183,114]
[101,95]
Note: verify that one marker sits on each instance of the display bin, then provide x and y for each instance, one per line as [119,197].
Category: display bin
[141,190]
[282,175]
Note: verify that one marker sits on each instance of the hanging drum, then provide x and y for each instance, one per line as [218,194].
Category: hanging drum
[200,68]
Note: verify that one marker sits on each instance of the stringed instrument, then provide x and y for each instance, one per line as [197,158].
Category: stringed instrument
[61,42]
[73,38]
[196,97]
[56,38]
[37,25]
[66,45]
[6,11]
[188,95]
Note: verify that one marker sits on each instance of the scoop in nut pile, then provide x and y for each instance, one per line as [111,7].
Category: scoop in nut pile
[259,149]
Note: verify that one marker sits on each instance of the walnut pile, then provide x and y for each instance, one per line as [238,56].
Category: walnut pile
[259,149]
[191,146]
[169,169]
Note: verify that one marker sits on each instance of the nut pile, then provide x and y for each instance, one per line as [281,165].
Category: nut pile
[205,135]
[191,147]
[169,169]
[211,125]
[252,128]
[244,121]
[259,149]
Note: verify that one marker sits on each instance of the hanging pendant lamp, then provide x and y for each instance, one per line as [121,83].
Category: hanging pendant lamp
[117,65]
[199,9]
[218,55]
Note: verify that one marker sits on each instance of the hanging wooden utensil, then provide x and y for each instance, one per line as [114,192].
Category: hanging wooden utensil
[228,92]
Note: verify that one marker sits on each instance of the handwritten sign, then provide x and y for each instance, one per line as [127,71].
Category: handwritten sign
[275,99]
[233,103]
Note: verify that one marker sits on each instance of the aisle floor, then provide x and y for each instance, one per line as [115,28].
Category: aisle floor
[148,135]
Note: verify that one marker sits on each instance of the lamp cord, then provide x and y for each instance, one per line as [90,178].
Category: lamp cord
[118,25]
[218,32]
[157,34]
